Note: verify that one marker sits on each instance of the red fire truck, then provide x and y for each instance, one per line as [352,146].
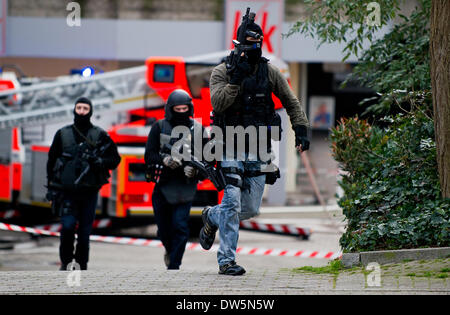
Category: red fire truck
[128,195]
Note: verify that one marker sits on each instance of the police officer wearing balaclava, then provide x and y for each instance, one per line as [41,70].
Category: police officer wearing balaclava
[242,96]
[176,187]
[80,158]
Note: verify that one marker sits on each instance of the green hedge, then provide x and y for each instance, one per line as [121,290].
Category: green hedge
[391,186]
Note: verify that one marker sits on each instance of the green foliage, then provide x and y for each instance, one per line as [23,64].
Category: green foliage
[398,64]
[395,65]
[391,187]
[343,21]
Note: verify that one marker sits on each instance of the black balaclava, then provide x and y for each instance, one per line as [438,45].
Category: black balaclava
[180,118]
[179,97]
[254,54]
[83,122]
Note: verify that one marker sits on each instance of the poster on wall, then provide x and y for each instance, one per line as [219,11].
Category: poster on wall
[321,112]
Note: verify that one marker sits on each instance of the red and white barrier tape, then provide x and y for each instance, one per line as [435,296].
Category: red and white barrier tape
[247,224]
[98,224]
[9,214]
[273,252]
[275,228]
[16,228]
[190,246]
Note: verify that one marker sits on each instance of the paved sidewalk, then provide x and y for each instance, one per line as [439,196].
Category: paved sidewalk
[208,282]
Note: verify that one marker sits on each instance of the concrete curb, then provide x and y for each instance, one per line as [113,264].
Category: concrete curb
[393,256]
[301,209]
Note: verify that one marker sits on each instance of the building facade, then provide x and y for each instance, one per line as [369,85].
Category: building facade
[117,34]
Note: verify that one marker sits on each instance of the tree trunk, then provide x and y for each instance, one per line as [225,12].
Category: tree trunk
[440,83]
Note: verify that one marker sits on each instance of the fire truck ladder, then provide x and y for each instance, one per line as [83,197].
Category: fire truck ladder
[44,103]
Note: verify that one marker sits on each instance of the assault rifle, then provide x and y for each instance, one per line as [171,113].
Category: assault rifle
[239,46]
[86,156]
[206,170]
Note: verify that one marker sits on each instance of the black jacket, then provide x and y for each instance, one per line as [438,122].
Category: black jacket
[111,157]
[153,153]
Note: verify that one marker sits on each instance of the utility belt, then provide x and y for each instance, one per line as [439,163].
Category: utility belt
[223,120]
[153,172]
[271,176]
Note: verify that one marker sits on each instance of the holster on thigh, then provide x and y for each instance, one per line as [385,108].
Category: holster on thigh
[233,181]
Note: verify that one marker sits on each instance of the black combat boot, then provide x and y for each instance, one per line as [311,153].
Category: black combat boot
[231,269]
[167,259]
[208,231]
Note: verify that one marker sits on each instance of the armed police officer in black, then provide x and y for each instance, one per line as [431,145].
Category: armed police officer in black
[79,161]
[176,182]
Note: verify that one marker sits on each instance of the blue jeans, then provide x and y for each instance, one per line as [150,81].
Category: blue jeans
[173,226]
[84,207]
[236,205]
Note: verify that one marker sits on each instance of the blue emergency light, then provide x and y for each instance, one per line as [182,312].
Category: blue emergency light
[85,72]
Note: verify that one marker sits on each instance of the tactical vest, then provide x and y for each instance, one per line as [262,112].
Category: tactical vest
[165,136]
[253,106]
[174,185]
[73,164]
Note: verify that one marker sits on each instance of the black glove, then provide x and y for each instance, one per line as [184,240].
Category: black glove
[51,195]
[301,137]
[50,192]
[170,162]
[96,162]
[243,69]
[189,171]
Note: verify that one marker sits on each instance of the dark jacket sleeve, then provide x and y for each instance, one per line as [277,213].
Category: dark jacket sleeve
[111,157]
[283,91]
[223,94]
[152,146]
[53,154]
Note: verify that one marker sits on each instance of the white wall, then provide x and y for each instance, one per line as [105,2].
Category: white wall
[138,39]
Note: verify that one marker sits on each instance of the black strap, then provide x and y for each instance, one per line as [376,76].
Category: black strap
[93,145]
[237,182]
[68,140]
[253,173]
[165,126]
[232,170]
[235,170]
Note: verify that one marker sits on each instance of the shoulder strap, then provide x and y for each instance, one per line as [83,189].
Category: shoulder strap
[165,132]
[92,136]
[263,69]
[68,139]
[166,127]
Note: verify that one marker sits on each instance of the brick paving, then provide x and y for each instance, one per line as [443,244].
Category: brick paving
[208,282]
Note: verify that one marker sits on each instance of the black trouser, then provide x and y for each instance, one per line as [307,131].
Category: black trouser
[83,207]
[173,226]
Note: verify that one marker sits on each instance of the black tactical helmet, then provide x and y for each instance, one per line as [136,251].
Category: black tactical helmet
[178,97]
[252,27]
